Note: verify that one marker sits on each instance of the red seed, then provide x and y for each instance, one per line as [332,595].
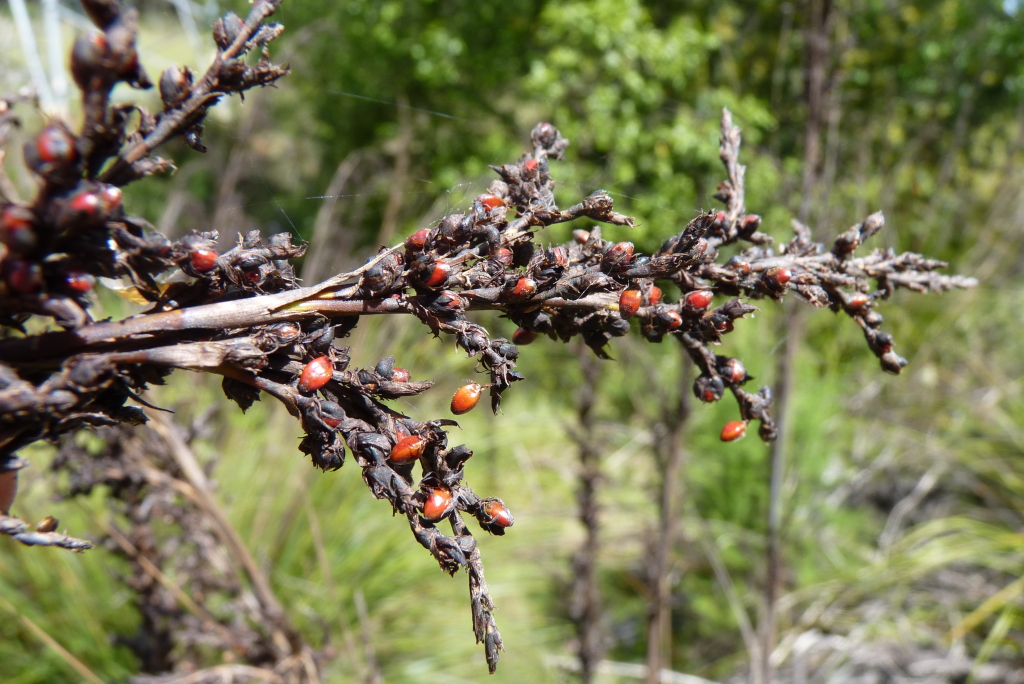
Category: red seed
[733,430]
[204,260]
[408,449]
[417,240]
[24,276]
[16,228]
[751,221]
[110,198]
[675,320]
[525,287]
[531,165]
[401,375]
[619,251]
[439,274]
[56,146]
[498,513]
[698,300]
[316,374]
[87,203]
[454,300]
[522,336]
[738,263]
[734,370]
[437,503]
[721,217]
[857,302]
[654,296]
[490,201]
[629,303]
[776,278]
[79,281]
[330,421]
[581,236]
[466,398]
[504,256]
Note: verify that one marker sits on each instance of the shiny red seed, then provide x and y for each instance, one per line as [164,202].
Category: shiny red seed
[629,303]
[417,240]
[79,281]
[454,300]
[439,274]
[721,217]
[110,197]
[204,260]
[698,300]
[620,250]
[490,201]
[675,320]
[751,221]
[776,278]
[87,203]
[733,430]
[408,449]
[525,287]
[401,375]
[437,503]
[504,256]
[581,236]
[316,374]
[498,513]
[330,421]
[24,276]
[531,165]
[523,336]
[858,301]
[466,398]
[16,228]
[55,145]
[654,296]
[734,370]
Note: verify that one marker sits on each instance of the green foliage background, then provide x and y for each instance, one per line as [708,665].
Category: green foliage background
[926,125]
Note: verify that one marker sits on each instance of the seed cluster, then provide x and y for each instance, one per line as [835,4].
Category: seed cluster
[242,314]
